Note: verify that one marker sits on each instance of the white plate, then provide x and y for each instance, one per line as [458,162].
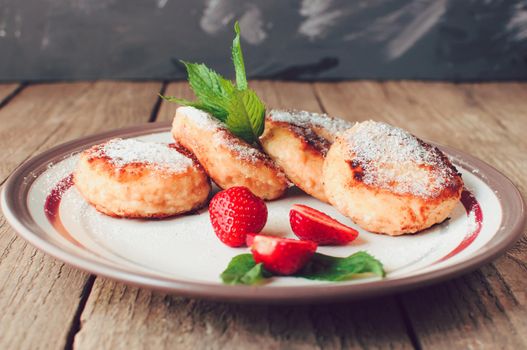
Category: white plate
[183,255]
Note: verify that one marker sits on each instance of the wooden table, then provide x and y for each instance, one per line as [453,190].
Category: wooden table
[48,305]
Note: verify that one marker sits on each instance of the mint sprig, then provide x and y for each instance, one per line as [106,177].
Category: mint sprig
[237,106]
[329,268]
[237,59]
[243,269]
[246,115]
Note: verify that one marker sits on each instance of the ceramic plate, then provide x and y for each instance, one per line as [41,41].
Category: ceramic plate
[182,254]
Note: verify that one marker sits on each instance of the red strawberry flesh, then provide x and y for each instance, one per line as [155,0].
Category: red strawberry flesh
[309,224]
[234,213]
[281,256]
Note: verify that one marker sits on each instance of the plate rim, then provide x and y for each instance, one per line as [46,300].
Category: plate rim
[15,186]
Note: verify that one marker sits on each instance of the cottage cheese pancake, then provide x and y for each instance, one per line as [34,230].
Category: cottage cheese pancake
[298,142]
[228,160]
[389,181]
[134,179]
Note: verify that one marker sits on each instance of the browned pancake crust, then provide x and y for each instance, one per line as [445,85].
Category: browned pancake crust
[227,159]
[298,142]
[132,173]
[383,209]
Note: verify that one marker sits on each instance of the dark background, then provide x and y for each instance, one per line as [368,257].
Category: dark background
[311,39]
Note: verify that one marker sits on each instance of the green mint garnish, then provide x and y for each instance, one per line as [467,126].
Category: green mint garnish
[246,115]
[243,270]
[237,59]
[329,268]
[236,105]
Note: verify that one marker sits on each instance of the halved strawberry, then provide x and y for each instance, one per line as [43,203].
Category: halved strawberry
[282,256]
[312,225]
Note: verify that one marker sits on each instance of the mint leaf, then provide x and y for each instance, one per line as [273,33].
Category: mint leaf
[329,268]
[256,275]
[195,104]
[243,270]
[212,90]
[237,59]
[205,82]
[237,106]
[246,115]
[255,111]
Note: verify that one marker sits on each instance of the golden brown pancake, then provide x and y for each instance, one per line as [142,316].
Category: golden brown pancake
[389,181]
[298,142]
[228,160]
[134,179]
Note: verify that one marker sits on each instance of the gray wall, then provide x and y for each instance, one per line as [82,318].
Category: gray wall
[308,39]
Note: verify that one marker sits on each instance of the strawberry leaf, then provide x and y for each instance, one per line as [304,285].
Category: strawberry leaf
[243,270]
[237,59]
[329,268]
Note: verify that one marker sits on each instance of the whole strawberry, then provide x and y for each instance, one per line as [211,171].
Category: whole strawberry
[234,213]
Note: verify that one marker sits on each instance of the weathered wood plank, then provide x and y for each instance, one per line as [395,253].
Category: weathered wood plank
[178,89]
[485,309]
[39,296]
[477,311]
[6,90]
[287,95]
[120,317]
[506,103]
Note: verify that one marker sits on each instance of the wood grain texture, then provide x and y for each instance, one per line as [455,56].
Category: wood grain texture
[167,110]
[121,317]
[485,309]
[39,296]
[6,90]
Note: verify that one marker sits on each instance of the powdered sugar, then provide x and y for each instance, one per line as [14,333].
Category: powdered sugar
[222,136]
[122,152]
[308,119]
[242,150]
[392,158]
[472,223]
[201,119]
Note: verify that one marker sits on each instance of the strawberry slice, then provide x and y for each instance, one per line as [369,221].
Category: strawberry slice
[282,256]
[309,224]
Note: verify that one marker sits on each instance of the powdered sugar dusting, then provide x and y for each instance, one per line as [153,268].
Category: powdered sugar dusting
[201,119]
[309,119]
[393,159]
[242,150]
[223,137]
[123,152]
